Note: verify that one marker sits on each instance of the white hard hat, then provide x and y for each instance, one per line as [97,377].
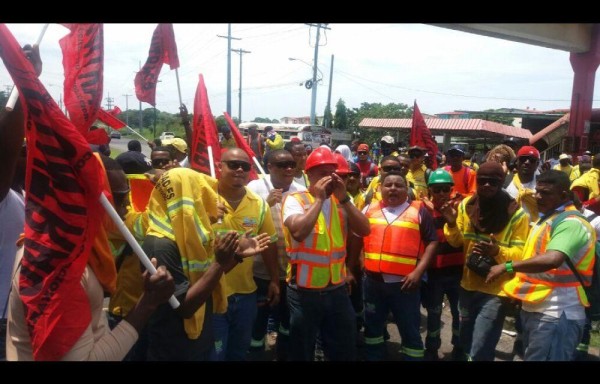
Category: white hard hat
[388,139]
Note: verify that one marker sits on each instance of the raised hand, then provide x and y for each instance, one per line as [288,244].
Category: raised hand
[250,246]
[158,288]
[274,197]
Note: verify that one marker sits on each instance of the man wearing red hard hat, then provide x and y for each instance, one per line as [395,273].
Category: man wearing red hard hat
[316,225]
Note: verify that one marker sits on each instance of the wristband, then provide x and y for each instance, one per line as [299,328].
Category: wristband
[509,267]
[345,200]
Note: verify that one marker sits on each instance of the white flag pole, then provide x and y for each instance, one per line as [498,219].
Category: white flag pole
[134,131]
[14,94]
[178,86]
[132,242]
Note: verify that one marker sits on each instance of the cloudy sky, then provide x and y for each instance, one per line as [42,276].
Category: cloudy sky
[443,69]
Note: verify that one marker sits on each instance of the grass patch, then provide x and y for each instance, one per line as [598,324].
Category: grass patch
[114,152]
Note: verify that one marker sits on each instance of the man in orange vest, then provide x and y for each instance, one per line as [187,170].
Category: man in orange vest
[316,225]
[397,252]
[557,259]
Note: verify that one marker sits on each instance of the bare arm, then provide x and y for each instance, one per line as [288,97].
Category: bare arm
[185,120]
[549,260]
[300,226]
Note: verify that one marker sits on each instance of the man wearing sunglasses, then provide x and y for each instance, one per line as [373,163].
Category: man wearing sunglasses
[245,212]
[388,164]
[417,170]
[281,167]
[490,224]
[522,187]
[316,225]
[444,272]
[368,169]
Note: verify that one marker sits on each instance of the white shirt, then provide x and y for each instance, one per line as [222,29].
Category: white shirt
[259,187]
[513,191]
[12,224]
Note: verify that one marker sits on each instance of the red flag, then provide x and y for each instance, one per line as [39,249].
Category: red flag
[108,118]
[162,50]
[242,144]
[63,183]
[421,135]
[97,136]
[83,60]
[204,133]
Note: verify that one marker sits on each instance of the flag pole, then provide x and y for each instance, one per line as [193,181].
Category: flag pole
[178,86]
[134,131]
[260,168]
[211,163]
[14,94]
[132,242]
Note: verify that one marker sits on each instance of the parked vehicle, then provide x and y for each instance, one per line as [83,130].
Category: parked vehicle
[115,135]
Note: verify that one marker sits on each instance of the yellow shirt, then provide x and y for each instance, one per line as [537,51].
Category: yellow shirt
[417,177]
[252,213]
[511,241]
[228,143]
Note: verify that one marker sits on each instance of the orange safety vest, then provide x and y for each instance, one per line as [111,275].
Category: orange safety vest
[320,258]
[394,247]
[535,287]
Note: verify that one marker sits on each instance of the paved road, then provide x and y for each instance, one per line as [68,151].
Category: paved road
[121,144]
[503,349]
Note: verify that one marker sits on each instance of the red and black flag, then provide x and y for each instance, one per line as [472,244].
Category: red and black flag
[421,135]
[63,184]
[83,61]
[163,50]
[242,144]
[110,118]
[204,133]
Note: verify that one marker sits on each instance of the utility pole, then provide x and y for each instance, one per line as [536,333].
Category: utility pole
[329,93]
[127,108]
[313,102]
[109,101]
[241,53]
[229,38]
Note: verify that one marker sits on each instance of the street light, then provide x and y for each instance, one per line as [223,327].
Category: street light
[313,85]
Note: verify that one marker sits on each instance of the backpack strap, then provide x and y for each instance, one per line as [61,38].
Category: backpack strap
[557,220]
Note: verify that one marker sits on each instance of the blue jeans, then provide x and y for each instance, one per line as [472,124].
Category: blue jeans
[481,320]
[380,299]
[432,298]
[233,329]
[329,312]
[548,338]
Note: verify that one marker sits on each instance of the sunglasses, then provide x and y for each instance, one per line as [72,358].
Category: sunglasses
[234,165]
[362,153]
[285,164]
[390,168]
[438,189]
[531,159]
[159,163]
[486,180]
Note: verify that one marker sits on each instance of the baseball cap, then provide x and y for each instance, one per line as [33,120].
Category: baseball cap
[179,144]
[528,150]
[563,156]
[363,147]
[456,148]
[387,139]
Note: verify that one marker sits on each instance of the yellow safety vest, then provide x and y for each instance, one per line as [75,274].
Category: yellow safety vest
[320,258]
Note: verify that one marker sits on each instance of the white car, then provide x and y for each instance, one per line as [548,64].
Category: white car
[167,135]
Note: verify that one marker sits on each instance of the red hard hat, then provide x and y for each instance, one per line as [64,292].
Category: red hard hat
[320,156]
[342,165]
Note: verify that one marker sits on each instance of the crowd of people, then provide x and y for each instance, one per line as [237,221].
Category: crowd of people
[323,247]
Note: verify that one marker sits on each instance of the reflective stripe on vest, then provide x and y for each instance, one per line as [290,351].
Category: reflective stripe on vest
[393,247]
[535,287]
[320,257]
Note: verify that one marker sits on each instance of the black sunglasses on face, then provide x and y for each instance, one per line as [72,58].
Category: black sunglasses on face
[285,164]
[159,163]
[234,165]
[486,180]
[531,159]
[362,153]
[390,168]
[438,189]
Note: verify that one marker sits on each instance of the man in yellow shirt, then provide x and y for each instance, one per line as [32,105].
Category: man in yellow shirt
[245,212]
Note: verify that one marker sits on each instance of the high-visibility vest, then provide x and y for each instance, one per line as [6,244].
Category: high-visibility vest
[140,189]
[394,247]
[320,258]
[535,287]
[446,255]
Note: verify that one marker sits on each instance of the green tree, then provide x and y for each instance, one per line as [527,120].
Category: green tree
[328,117]
[502,119]
[340,121]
